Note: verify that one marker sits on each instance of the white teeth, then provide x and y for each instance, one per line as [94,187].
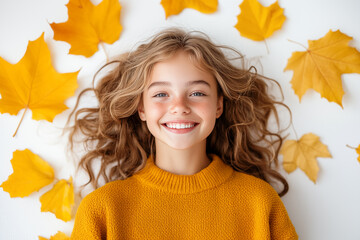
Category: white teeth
[180,125]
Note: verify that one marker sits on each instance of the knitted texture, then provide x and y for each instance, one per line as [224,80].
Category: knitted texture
[215,203]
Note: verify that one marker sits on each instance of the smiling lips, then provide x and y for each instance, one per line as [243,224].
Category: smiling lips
[180,127]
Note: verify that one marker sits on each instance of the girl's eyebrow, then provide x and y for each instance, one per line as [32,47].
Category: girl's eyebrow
[160,83]
[164,83]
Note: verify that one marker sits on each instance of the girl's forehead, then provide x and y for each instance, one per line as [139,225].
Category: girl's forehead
[180,62]
[178,67]
[181,57]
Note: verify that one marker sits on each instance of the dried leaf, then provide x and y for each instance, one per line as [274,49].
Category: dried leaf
[34,84]
[89,25]
[321,65]
[173,7]
[31,173]
[303,154]
[358,152]
[257,22]
[58,236]
[59,200]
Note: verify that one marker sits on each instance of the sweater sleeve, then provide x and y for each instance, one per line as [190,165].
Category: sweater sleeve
[90,220]
[280,223]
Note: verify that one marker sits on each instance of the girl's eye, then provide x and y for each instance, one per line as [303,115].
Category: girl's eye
[161,95]
[198,94]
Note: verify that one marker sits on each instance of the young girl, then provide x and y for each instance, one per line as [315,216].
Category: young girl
[182,139]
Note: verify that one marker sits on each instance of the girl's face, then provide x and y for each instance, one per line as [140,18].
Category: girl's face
[180,103]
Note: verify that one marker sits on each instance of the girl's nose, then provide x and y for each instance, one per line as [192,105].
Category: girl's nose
[179,106]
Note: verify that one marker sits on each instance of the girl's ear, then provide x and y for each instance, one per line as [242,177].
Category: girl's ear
[220,106]
[141,111]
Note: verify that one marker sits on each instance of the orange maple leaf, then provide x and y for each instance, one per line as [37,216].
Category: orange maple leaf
[58,236]
[173,7]
[303,153]
[321,65]
[34,84]
[257,22]
[59,200]
[89,25]
[31,173]
[357,151]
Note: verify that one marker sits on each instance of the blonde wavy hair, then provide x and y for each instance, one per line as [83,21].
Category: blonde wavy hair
[115,137]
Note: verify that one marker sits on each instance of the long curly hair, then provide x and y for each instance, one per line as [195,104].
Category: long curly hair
[116,138]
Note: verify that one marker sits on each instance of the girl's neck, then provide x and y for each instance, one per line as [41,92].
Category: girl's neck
[181,162]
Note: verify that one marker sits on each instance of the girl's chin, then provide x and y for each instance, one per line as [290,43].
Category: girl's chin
[185,145]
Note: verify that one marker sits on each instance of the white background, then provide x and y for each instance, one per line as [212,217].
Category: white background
[329,209]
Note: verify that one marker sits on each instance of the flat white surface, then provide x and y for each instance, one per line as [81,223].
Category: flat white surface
[329,209]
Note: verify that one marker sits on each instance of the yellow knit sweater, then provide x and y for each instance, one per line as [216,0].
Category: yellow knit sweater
[215,203]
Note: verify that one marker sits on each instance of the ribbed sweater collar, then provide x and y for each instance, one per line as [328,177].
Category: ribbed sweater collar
[216,173]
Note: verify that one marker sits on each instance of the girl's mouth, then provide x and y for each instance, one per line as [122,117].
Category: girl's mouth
[179,125]
[183,127]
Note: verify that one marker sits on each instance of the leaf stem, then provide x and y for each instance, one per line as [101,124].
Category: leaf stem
[267,47]
[296,136]
[298,44]
[26,108]
[350,146]
[105,52]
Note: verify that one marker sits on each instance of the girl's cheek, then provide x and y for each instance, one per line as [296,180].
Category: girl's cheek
[158,107]
[161,103]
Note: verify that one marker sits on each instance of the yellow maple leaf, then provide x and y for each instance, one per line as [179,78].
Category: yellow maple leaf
[173,7]
[357,151]
[31,173]
[257,22]
[58,236]
[321,65]
[34,84]
[59,200]
[303,153]
[89,25]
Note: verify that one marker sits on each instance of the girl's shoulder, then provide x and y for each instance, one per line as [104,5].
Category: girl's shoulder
[118,189]
[253,186]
